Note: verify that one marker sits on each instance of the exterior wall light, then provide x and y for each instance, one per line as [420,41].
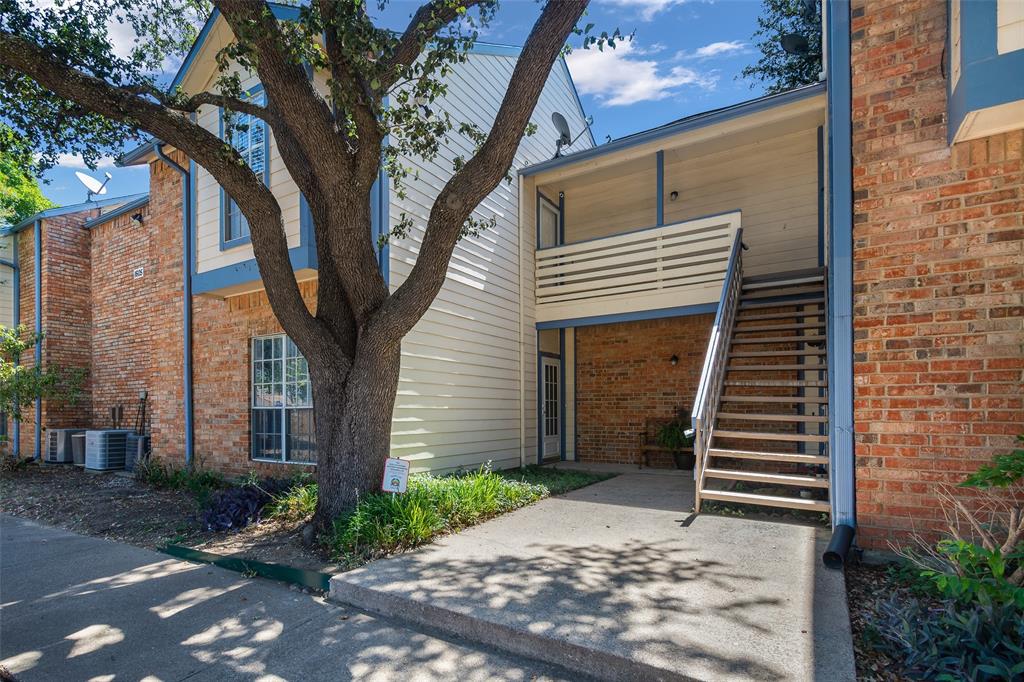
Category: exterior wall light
[674,360]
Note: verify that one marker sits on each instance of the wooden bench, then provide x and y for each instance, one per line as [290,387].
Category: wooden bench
[649,444]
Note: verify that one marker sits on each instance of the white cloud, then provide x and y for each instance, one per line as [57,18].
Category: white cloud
[76,161]
[617,77]
[717,49]
[648,8]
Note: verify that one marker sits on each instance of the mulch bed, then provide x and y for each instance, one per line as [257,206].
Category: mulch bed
[867,585]
[111,506]
[118,507]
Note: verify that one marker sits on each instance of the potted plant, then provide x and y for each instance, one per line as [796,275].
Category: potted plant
[677,437]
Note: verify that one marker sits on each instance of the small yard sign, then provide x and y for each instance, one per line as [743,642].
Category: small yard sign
[396,476]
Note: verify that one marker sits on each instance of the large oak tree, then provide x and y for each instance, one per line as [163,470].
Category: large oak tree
[64,87]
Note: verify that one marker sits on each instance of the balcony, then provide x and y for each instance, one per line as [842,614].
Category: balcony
[677,265]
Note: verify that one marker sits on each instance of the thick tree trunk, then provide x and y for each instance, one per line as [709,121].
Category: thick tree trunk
[352,414]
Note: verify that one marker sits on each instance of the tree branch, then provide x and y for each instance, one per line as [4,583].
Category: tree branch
[120,104]
[424,25]
[481,174]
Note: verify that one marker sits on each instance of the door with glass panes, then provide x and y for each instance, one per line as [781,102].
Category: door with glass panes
[551,412]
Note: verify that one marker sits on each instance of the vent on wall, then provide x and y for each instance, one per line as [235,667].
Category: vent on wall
[105,450]
[58,445]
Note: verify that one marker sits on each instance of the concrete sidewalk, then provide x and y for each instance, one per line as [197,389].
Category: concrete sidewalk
[618,581]
[79,608]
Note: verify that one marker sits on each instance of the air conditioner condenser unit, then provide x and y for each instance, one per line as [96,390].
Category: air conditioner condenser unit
[58,445]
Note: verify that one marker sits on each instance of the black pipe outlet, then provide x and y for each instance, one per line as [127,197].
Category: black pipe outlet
[835,555]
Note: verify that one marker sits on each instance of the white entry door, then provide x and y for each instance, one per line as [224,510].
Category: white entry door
[551,413]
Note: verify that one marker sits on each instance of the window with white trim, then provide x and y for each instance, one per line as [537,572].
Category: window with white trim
[282,402]
[249,138]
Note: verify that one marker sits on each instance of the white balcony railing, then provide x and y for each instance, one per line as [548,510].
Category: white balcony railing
[662,267]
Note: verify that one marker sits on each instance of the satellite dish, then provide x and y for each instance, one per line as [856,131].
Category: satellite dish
[94,186]
[562,127]
[795,44]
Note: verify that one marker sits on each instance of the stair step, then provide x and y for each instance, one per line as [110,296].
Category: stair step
[761,456]
[765,500]
[809,399]
[775,353]
[780,316]
[760,435]
[783,339]
[762,368]
[777,304]
[786,276]
[780,292]
[809,418]
[780,283]
[781,479]
[814,383]
[776,327]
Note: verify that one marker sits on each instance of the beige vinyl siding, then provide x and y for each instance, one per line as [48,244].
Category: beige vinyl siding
[612,201]
[1009,25]
[773,183]
[208,202]
[468,377]
[7,283]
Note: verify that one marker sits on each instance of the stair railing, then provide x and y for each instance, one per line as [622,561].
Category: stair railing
[712,378]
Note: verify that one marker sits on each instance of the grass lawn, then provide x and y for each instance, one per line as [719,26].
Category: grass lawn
[383,524]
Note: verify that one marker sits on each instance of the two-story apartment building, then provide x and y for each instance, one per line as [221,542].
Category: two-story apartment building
[828,282]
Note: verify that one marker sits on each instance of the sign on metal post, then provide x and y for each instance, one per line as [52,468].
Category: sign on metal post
[396,476]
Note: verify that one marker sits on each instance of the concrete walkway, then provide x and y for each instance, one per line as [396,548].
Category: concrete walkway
[617,580]
[82,608]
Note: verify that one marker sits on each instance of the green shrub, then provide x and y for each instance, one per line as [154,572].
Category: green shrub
[199,482]
[383,523]
[978,642]
[977,571]
[296,504]
[1004,471]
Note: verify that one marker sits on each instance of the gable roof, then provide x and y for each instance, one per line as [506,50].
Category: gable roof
[73,208]
[704,118]
[120,210]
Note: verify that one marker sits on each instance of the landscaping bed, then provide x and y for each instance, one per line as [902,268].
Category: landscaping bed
[263,520]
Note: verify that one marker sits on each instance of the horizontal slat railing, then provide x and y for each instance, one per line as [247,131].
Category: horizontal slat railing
[709,390]
[627,267]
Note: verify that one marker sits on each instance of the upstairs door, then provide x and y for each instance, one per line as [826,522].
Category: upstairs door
[551,412]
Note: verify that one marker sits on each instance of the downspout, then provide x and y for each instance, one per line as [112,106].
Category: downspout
[16,308]
[186,289]
[38,271]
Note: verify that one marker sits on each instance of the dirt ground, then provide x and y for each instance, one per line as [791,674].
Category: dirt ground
[117,507]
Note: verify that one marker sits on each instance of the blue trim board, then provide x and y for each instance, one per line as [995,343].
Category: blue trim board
[540,403]
[683,125]
[987,78]
[680,311]
[840,266]
[821,196]
[579,102]
[575,393]
[561,394]
[660,182]
[561,217]
[16,319]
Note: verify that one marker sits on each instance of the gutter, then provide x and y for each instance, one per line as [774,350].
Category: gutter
[186,302]
[38,272]
[16,307]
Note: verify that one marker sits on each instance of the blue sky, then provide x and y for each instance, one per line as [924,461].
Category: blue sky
[685,58]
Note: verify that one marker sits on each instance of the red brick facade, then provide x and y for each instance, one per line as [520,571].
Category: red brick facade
[624,376]
[938,276]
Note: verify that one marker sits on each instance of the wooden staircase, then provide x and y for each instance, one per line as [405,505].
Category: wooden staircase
[764,428]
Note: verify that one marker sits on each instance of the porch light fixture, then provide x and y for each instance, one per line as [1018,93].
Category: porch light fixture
[674,360]
[137,218]
[673,195]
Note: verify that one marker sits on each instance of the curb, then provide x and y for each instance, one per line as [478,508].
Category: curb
[287,574]
[519,641]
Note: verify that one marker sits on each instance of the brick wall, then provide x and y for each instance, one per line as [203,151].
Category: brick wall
[938,277]
[66,313]
[122,315]
[624,377]
[221,362]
